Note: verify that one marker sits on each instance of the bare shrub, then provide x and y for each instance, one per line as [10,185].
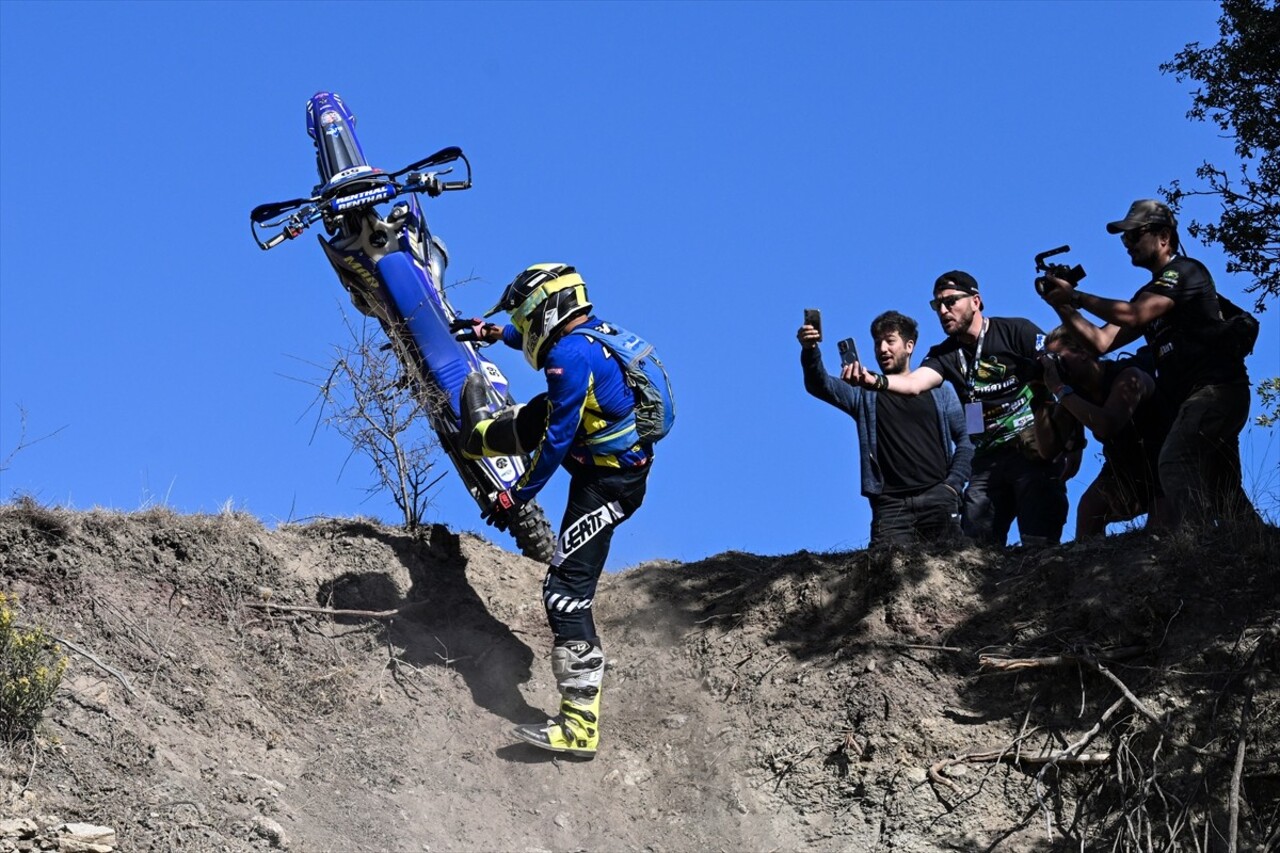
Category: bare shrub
[370,402]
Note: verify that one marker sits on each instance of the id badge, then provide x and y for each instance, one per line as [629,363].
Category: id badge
[973,422]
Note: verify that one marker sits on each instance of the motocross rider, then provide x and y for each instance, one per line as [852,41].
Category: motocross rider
[585,423]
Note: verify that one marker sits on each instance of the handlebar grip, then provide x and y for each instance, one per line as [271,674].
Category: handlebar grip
[446,186]
[275,241]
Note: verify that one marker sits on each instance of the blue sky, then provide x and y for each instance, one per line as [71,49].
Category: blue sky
[710,168]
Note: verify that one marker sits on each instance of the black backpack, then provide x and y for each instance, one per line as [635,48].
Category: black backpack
[1237,333]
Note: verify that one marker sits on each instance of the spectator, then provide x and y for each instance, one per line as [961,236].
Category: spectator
[915,453]
[988,361]
[1199,463]
[1122,406]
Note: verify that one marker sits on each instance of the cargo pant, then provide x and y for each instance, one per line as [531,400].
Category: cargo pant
[1200,460]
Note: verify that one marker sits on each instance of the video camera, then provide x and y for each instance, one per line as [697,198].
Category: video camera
[1062,271]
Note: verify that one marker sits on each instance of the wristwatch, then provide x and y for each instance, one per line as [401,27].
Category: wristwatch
[1076,297]
[1062,392]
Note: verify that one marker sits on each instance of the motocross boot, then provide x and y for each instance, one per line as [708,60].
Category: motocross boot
[486,433]
[578,666]
[511,431]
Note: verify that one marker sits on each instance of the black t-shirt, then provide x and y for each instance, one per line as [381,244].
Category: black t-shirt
[1183,360]
[1009,348]
[909,447]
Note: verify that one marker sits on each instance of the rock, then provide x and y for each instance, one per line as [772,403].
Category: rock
[272,831]
[675,721]
[917,775]
[561,820]
[18,827]
[70,845]
[87,832]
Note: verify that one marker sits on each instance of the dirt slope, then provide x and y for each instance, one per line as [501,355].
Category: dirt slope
[846,701]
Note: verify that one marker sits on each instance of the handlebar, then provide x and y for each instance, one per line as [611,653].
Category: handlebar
[356,195]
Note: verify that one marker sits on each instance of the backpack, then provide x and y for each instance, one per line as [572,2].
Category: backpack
[643,371]
[1236,334]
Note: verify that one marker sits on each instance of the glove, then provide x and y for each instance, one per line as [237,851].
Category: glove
[468,330]
[498,515]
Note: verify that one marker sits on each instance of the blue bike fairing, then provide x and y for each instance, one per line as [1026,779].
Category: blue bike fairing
[446,358]
[591,410]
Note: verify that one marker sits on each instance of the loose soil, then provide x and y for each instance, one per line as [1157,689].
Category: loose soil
[1116,695]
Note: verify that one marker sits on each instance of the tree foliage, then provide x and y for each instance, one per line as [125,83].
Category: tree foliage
[1239,91]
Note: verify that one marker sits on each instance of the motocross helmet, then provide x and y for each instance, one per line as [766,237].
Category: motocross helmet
[541,301]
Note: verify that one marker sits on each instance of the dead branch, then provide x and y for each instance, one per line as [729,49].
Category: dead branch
[1072,752]
[329,611]
[117,674]
[23,441]
[996,756]
[1133,700]
[1005,664]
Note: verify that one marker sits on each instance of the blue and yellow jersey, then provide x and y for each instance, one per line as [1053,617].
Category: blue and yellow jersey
[591,410]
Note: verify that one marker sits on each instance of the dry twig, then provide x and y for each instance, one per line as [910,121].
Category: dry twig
[117,674]
[329,611]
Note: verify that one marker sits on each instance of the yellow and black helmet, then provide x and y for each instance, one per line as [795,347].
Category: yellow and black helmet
[541,301]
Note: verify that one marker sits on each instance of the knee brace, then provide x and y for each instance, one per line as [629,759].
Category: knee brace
[578,667]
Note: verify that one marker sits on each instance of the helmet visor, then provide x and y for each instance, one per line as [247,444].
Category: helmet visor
[521,313]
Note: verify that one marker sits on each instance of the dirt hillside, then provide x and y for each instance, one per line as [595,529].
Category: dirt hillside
[1122,695]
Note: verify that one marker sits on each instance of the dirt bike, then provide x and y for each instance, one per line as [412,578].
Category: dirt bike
[393,268]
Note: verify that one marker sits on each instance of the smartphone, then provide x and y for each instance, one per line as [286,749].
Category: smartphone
[813,317]
[848,351]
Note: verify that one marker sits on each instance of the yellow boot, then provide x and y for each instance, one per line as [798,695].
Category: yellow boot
[575,730]
[578,667]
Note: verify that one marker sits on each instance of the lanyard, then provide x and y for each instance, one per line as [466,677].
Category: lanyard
[971,373]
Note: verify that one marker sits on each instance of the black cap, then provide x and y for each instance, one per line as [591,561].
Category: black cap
[1143,212]
[956,280]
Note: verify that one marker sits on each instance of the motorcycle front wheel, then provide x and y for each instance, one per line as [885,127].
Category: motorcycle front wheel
[532,533]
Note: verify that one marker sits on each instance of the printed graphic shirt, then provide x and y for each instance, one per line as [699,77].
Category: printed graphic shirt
[1008,347]
[589,398]
[1183,363]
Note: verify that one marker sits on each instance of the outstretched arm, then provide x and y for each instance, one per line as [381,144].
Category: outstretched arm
[817,381]
[916,382]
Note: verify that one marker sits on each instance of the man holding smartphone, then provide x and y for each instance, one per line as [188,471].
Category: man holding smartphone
[987,362]
[915,451]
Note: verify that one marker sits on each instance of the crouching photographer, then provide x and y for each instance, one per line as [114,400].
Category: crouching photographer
[1119,403]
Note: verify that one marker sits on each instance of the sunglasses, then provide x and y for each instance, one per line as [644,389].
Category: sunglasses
[947,301]
[1131,237]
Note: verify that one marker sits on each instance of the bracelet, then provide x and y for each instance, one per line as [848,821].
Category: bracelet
[1062,392]
[1076,299]
[882,382]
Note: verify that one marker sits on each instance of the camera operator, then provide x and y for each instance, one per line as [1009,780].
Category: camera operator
[1199,464]
[915,453]
[985,359]
[1121,405]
